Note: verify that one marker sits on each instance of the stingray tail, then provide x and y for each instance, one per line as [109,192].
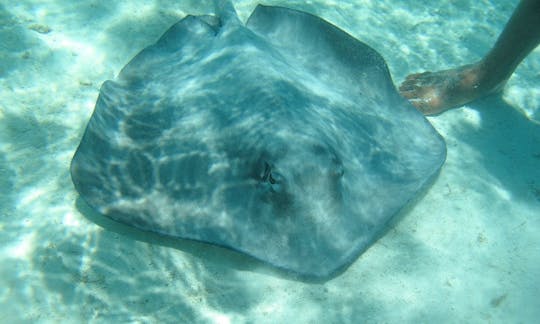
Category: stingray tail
[225,10]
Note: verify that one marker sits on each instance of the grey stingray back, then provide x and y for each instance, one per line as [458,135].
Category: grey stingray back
[284,139]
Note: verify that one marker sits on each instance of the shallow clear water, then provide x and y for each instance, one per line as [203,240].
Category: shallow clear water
[467,251]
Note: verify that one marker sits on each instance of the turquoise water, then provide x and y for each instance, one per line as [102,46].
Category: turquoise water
[468,251]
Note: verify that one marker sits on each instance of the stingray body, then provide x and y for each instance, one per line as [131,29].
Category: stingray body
[283,138]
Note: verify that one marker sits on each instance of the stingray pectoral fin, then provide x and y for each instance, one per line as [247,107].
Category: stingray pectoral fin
[183,39]
[305,33]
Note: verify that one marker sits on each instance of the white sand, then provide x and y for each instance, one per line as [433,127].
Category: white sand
[468,251]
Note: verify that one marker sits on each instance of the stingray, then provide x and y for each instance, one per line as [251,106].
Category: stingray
[283,138]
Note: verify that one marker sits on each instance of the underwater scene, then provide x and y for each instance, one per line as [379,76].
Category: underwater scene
[263,161]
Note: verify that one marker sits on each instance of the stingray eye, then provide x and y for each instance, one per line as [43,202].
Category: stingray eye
[266,173]
[339,171]
[275,178]
[271,179]
[276,181]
